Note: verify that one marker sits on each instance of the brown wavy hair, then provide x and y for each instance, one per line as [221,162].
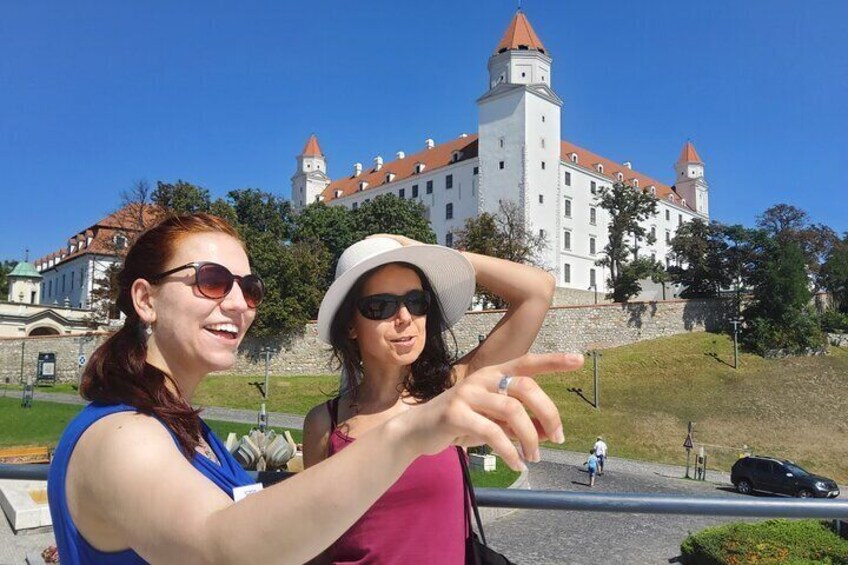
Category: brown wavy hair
[118,371]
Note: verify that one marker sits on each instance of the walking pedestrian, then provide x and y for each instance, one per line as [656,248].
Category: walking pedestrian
[592,465]
[601,453]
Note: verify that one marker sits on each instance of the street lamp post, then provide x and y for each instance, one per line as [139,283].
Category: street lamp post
[597,394]
[267,352]
[594,287]
[735,322]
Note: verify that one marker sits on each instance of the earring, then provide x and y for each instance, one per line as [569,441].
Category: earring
[148,331]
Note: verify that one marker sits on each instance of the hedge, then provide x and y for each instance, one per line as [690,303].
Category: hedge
[793,542]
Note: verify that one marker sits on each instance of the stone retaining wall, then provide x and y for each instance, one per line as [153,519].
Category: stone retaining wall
[566,328]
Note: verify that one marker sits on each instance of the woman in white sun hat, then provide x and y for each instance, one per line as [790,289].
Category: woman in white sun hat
[384,316]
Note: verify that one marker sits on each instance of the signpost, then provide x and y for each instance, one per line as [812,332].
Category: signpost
[688,444]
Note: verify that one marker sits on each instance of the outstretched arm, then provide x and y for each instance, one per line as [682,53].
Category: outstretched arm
[127,473]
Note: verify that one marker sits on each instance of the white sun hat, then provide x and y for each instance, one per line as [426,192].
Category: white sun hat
[450,274]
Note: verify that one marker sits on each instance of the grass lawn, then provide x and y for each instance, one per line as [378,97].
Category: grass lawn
[793,408]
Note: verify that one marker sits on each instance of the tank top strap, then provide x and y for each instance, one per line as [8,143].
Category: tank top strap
[333,409]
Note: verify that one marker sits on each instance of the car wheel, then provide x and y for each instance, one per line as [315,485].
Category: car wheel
[805,493]
[744,486]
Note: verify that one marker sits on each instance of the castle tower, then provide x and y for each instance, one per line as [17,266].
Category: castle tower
[311,178]
[689,180]
[519,132]
[24,284]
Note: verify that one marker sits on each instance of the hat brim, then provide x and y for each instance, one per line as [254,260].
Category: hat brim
[450,274]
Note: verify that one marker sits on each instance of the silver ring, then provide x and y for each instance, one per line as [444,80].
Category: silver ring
[503,385]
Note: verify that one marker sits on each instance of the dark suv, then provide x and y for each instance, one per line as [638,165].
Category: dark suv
[781,477]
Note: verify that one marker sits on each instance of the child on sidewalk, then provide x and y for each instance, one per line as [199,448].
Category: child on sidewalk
[592,464]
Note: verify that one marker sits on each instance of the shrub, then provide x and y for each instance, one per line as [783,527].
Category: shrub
[796,333]
[833,321]
[794,542]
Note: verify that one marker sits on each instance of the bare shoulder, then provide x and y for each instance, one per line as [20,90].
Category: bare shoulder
[122,442]
[316,433]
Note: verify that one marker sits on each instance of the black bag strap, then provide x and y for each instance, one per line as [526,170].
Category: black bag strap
[333,409]
[470,499]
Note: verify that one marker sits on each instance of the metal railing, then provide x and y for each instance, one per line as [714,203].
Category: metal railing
[832,509]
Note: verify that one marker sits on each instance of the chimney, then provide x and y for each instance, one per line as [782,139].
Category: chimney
[400,155]
[628,164]
[429,143]
[357,169]
[378,163]
[463,135]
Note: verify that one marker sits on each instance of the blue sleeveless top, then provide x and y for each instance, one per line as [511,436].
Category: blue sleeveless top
[73,547]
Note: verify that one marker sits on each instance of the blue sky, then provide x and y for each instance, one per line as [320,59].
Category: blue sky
[95,96]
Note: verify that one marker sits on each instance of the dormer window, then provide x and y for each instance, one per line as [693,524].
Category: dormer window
[683,202]
[618,176]
[635,183]
[338,193]
[455,156]
[671,198]
[419,167]
[120,241]
[599,167]
[390,177]
[574,158]
[363,185]
[653,190]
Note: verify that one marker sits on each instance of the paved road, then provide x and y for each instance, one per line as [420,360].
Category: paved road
[548,536]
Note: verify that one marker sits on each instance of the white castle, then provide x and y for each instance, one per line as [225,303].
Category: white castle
[518,154]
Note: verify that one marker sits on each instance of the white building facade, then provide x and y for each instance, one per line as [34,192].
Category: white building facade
[518,154]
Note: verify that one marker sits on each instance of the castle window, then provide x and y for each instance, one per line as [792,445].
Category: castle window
[667,237]
[402,193]
[543,165]
[593,216]
[449,211]
[543,143]
[415,191]
[668,215]
[541,199]
[543,118]
[355,205]
[566,240]
[475,171]
[501,142]
[593,281]
[566,273]
[501,165]
[449,181]
[680,219]
[593,187]
[542,234]
[567,178]
[592,245]
[654,232]
[429,187]
[567,207]
[449,239]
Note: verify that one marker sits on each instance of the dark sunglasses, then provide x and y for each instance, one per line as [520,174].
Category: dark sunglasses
[216,281]
[384,306]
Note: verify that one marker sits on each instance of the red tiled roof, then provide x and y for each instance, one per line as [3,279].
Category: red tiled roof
[689,155]
[127,221]
[438,156]
[519,35]
[311,149]
[589,160]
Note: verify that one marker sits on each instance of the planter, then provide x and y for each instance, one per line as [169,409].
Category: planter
[485,463]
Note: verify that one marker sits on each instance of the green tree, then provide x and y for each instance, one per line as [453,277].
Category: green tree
[834,274]
[331,226]
[258,212]
[389,214]
[504,234]
[5,268]
[780,315]
[702,253]
[627,208]
[785,222]
[181,197]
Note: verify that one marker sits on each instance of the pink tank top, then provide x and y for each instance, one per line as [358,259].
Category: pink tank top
[420,519]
